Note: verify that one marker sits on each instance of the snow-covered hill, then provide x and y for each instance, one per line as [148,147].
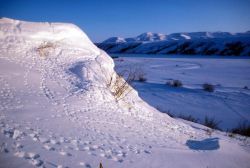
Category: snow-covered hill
[58,108]
[202,43]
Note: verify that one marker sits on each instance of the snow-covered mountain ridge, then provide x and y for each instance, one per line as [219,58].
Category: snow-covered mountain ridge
[149,36]
[58,109]
[203,43]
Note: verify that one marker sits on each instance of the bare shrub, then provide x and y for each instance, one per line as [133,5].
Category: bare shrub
[243,129]
[139,74]
[231,135]
[209,132]
[119,86]
[168,112]
[45,48]
[119,83]
[141,78]
[114,56]
[188,118]
[211,123]
[174,83]
[208,87]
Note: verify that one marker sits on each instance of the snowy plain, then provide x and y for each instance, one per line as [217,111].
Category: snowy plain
[56,110]
[229,104]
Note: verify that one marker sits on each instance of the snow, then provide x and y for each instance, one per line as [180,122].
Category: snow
[56,32]
[229,104]
[115,40]
[144,37]
[149,36]
[56,110]
[185,36]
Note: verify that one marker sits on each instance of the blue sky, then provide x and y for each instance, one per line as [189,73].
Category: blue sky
[101,19]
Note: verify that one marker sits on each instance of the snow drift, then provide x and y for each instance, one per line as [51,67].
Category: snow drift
[88,66]
[58,109]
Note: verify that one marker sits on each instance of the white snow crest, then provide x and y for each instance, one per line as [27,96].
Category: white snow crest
[46,32]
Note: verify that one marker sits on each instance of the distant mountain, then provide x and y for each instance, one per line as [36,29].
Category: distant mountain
[150,37]
[115,40]
[203,43]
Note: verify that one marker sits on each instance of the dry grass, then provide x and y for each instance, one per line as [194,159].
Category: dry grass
[139,75]
[188,118]
[174,83]
[208,87]
[243,128]
[119,86]
[45,49]
[141,78]
[211,123]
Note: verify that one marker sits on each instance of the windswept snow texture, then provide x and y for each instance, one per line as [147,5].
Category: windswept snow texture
[197,43]
[56,110]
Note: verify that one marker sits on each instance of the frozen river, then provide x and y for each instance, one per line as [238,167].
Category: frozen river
[229,104]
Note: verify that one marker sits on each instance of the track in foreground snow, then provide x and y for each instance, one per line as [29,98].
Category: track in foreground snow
[56,110]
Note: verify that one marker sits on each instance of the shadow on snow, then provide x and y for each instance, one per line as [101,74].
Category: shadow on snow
[206,144]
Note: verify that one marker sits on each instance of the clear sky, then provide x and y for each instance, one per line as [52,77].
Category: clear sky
[101,19]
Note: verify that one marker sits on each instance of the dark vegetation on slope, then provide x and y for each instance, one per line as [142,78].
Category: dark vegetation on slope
[243,128]
[208,87]
[186,47]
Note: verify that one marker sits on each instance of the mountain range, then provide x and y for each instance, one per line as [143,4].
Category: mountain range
[194,43]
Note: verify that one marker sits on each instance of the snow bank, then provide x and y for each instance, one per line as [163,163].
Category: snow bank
[57,108]
[65,45]
[39,32]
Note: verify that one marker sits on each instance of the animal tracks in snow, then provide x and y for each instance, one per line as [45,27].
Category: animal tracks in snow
[67,89]
[58,145]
